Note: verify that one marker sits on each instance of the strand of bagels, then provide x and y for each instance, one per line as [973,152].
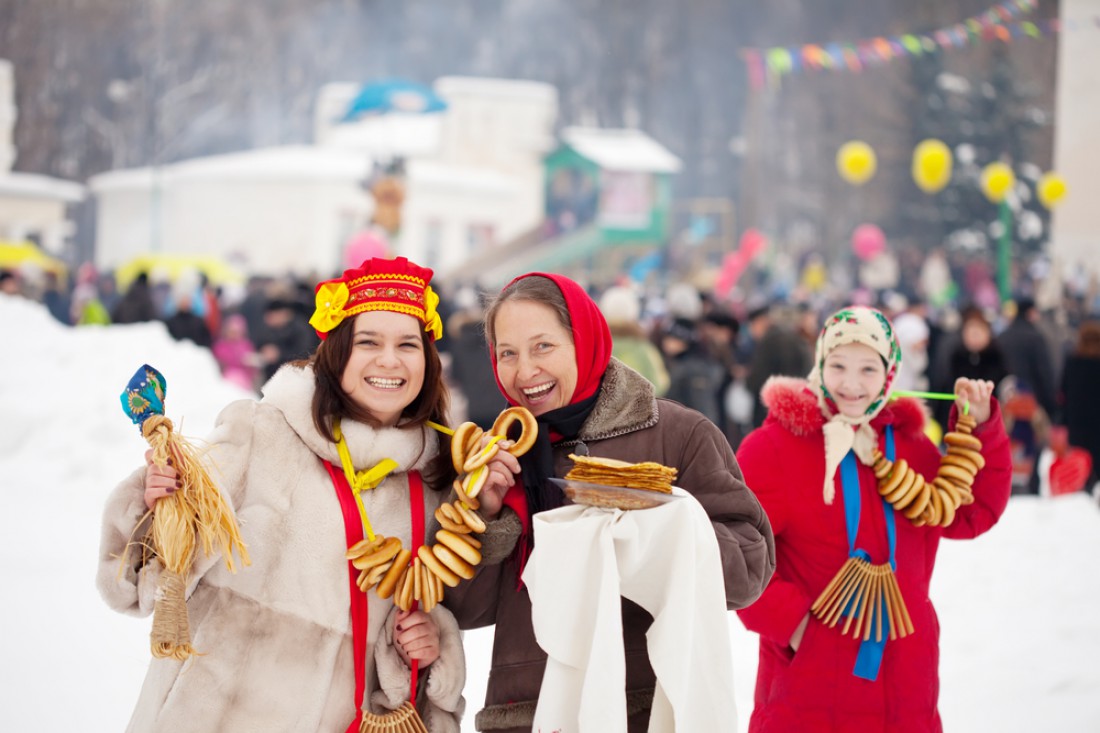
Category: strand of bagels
[408,576]
[934,503]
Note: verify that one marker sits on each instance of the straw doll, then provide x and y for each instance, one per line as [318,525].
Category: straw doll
[859,500]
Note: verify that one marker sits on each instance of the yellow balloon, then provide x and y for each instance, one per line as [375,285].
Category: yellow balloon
[856,163]
[1051,189]
[932,164]
[997,179]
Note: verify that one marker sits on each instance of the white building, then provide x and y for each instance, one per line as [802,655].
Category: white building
[473,180]
[32,207]
[1075,238]
[268,211]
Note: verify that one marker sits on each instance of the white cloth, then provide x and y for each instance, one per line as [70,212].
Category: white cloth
[666,560]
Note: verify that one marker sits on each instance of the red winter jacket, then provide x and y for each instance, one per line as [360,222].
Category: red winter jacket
[814,689]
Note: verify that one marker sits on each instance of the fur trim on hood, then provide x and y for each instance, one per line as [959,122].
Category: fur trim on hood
[291,392]
[791,403]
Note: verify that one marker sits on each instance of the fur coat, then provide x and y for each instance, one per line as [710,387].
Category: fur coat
[814,688]
[276,638]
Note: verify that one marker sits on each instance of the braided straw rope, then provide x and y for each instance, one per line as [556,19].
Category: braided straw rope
[196,513]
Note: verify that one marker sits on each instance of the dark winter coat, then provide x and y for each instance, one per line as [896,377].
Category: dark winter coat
[694,381]
[627,423]
[1081,405]
[1029,359]
[781,352]
[473,371]
[989,363]
[186,325]
[814,689]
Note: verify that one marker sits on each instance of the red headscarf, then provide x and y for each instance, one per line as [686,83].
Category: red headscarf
[591,337]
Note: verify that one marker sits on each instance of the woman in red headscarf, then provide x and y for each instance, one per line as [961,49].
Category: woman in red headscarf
[551,352]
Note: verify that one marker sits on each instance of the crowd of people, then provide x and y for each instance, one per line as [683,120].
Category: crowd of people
[781,420]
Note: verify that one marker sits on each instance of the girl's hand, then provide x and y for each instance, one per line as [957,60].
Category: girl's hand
[978,392]
[502,476]
[159,482]
[416,636]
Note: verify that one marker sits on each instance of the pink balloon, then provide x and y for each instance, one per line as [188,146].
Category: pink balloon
[753,242]
[733,266]
[363,246]
[868,241]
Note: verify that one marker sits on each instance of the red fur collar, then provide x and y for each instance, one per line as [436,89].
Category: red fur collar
[791,403]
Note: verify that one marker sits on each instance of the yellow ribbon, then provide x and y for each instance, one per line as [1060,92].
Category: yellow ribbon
[329,306]
[361,481]
[431,317]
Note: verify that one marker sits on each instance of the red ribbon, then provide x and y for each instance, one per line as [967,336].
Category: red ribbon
[353,532]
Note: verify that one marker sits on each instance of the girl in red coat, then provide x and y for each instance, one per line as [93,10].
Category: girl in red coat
[810,465]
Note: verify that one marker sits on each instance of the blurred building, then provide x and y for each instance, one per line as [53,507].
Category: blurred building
[607,205]
[32,207]
[1075,238]
[472,178]
[268,211]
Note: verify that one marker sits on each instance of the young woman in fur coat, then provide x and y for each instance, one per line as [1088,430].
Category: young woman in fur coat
[276,638]
[812,677]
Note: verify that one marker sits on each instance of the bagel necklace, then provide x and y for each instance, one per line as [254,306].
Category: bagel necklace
[383,562]
[869,594]
[934,502]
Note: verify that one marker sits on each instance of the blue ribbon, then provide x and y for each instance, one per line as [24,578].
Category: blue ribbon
[869,658]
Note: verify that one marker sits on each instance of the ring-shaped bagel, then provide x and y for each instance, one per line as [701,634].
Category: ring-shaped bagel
[481,456]
[897,475]
[465,435]
[470,518]
[440,570]
[962,440]
[954,459]
[388,584]
[956,474]
[386,552]
[475,482]
[459,546]
[969,453]
[453,562]
[526,439]
[902,488]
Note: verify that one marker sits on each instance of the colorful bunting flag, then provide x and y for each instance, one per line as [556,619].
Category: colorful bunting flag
[1002,22]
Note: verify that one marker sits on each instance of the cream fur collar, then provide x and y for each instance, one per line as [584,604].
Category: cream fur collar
[290,391]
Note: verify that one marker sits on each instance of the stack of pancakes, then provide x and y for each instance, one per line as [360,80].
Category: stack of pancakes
[647,476]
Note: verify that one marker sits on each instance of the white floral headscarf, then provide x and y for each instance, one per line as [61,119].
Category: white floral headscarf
[852,325]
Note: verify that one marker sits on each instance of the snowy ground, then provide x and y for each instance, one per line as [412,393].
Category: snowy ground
[1018,607]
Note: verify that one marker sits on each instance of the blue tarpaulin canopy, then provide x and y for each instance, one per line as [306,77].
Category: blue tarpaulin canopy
[394,95]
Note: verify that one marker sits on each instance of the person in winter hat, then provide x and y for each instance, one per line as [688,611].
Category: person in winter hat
[810,463]
[279,649]
[551,352]
[630,342]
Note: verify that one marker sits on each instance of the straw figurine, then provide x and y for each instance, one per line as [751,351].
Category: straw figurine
[194,513]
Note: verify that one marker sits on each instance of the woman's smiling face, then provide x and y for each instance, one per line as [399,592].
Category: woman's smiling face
[536,360]
[854,376]
[385,371]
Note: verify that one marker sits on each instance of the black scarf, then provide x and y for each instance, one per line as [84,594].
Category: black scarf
[538,463]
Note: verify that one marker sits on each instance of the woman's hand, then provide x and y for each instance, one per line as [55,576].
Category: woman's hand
[159,482]
[502,476]
[976,392]
[796,637]
[416,636]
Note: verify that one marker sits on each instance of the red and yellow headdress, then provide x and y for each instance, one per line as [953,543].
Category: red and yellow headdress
[378,285]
